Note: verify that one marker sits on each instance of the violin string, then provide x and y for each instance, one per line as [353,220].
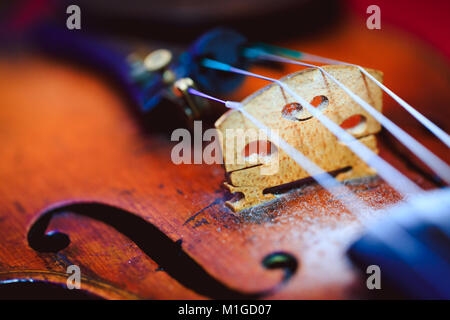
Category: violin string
[337,189]
[329,183]
[298,55]
[391,175]
[281,59]
[430,159]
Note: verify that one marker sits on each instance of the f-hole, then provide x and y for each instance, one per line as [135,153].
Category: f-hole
[168,254]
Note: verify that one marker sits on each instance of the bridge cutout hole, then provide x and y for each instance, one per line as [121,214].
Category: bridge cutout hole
[259,150]
[355,124]
[294,111]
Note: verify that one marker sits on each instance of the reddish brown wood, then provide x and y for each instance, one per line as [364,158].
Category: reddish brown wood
[67,136]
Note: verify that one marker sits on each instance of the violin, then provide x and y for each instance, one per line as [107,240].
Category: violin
[87,183]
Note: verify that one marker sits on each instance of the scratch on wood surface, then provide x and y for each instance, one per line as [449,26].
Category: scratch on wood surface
[191,218]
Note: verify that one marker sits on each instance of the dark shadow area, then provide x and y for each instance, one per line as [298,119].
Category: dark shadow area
[41,290]
[277,22]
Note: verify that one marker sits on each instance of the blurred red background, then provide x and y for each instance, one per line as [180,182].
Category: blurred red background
[428,20]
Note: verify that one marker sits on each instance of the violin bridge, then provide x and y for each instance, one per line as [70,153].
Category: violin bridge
[253,163]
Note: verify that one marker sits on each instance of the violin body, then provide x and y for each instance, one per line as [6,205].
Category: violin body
[75,160]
